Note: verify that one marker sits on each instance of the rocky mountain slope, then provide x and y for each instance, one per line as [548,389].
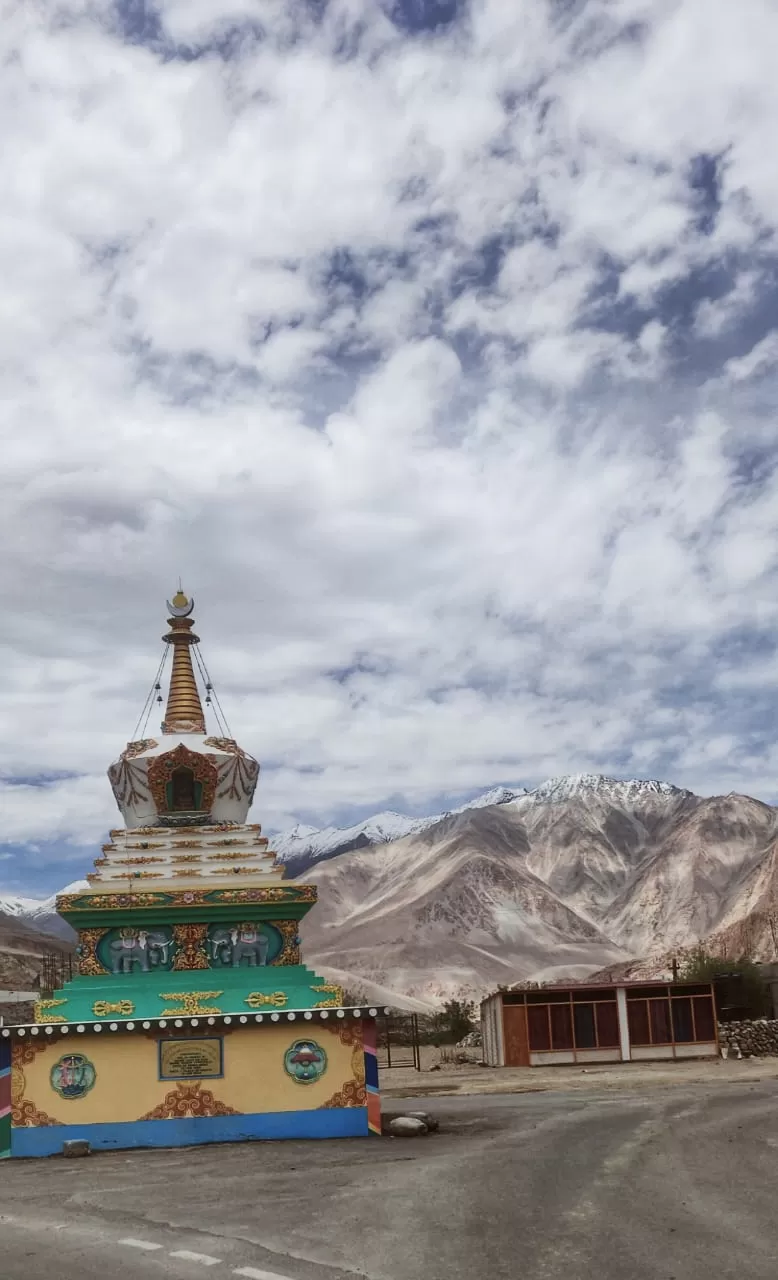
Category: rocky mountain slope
[22,949]
[453,909]
[581,874]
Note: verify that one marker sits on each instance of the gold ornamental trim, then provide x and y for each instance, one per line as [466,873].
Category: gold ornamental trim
[41,1011]
[187,898]
[137,748]
[191,1003]
[190,940]
[88,964]
[331,990]
[290,950]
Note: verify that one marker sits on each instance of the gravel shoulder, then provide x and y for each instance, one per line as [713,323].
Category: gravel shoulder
[472,1079]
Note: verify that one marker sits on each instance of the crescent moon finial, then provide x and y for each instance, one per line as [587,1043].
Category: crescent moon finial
[180,606]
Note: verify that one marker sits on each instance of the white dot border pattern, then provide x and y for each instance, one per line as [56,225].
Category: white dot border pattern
[159,1024]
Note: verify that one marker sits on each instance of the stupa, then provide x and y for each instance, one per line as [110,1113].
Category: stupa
[192,1017]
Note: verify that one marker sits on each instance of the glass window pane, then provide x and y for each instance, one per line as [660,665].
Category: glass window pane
[659,1013]
[537,1019]
[607,1026]
[683,1028]
[561,1027]
[637,1017]
[583,1017]
[703,1018]
[587,994]
[646,993]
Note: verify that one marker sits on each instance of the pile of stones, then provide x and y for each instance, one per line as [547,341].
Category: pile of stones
[754,1038]
[408,1124]
[473,1040]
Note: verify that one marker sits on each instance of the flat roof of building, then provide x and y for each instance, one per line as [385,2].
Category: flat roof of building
[628,984]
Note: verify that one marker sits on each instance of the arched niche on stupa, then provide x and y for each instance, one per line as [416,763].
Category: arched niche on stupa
[183,791]
[182,782]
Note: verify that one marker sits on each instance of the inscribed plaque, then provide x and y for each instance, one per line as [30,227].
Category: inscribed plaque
[187,1059]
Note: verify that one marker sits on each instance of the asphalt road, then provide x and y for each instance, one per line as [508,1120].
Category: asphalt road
[672,1184]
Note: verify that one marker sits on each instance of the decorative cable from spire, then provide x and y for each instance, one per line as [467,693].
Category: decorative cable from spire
[184,712]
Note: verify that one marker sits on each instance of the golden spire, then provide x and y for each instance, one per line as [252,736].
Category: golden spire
[184,712]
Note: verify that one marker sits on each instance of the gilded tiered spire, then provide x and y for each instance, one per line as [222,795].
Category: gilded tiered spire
[184,712]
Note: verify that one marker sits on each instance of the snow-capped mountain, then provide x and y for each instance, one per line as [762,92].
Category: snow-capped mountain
[555,790]
[300,847]
[41,913]
[580,874]
[303,846]
[21,908]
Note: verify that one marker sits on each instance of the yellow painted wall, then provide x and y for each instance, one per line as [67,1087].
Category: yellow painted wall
[128,1087]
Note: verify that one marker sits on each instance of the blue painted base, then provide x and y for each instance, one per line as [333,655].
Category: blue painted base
[338,1122]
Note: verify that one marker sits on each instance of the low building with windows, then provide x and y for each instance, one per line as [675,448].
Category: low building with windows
[620,1022]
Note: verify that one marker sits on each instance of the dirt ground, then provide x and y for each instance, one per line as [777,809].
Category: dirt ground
[472,1078]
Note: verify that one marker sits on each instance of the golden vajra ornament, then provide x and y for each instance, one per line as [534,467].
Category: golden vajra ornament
[101,1008]
[257,999]
[191,1003]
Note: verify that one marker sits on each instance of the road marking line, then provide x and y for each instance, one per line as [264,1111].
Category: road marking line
[252,1273]
[140,1244]
[189,1256]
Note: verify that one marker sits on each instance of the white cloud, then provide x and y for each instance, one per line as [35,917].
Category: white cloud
[392,356]
[762,358]
[714,316]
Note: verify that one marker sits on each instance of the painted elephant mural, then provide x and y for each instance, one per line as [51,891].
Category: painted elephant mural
[231,946]
[141,947]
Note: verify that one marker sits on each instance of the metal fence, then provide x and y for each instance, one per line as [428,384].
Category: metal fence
[56,970]
[397,1041]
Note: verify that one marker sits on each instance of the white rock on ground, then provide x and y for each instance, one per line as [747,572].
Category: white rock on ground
[426,1119]
[407,1127]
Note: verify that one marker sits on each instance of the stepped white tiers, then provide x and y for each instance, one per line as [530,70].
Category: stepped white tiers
[216,857]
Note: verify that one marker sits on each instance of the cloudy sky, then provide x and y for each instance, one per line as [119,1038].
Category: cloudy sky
[434,344]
